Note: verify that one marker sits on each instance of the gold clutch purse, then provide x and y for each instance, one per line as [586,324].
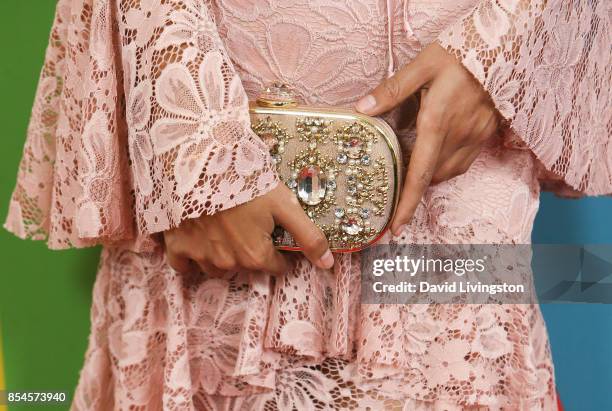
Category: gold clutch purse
[343,166]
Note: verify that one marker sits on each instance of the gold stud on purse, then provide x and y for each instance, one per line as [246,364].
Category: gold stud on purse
[343,166]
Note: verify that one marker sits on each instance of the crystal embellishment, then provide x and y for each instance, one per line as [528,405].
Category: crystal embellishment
[354,147]
[331,169]
[312,185]
[352,226]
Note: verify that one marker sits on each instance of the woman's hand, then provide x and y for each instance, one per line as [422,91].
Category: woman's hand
[240,237]
[455,119]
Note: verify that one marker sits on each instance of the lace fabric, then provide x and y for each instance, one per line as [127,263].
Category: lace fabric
[547,66]
[140,117]
[140,121]
[303,341]
[132,133]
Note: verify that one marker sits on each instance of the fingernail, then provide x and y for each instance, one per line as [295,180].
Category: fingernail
[366,104]
[400,230]
[327,261]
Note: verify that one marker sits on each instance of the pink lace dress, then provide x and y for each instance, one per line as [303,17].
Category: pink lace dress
[141,121]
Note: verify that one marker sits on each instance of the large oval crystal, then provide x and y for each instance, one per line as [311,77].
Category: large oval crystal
[312,184]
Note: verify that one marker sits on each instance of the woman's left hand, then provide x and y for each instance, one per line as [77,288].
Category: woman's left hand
[455,119]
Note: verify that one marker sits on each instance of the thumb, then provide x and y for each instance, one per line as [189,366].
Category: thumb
[392,91]
[289,214]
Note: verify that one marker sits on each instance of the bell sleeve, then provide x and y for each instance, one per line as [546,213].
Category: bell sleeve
[140,122]
[192,148]
[547,66]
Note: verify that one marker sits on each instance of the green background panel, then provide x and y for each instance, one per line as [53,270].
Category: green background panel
[44,295]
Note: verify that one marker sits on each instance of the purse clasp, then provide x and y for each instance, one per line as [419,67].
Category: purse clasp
[277,95]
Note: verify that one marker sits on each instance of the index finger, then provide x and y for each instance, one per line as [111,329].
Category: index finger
[393,90]
[422,166]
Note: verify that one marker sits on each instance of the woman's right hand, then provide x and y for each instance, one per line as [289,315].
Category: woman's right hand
[240,237]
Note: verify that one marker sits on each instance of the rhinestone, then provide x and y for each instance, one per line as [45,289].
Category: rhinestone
[365,213]
[342,158]
[351,179]
[352,226]
[339,212]
[365,160]
[314,130]
[276,158]
[354,147]
[312,185]
[292,183]
[351,190]
[331,184]
[312,145]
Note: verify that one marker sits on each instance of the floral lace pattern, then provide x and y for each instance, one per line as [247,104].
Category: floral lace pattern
[140,121]
[118,149]
[133,146]
[302,341]
[547,66]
